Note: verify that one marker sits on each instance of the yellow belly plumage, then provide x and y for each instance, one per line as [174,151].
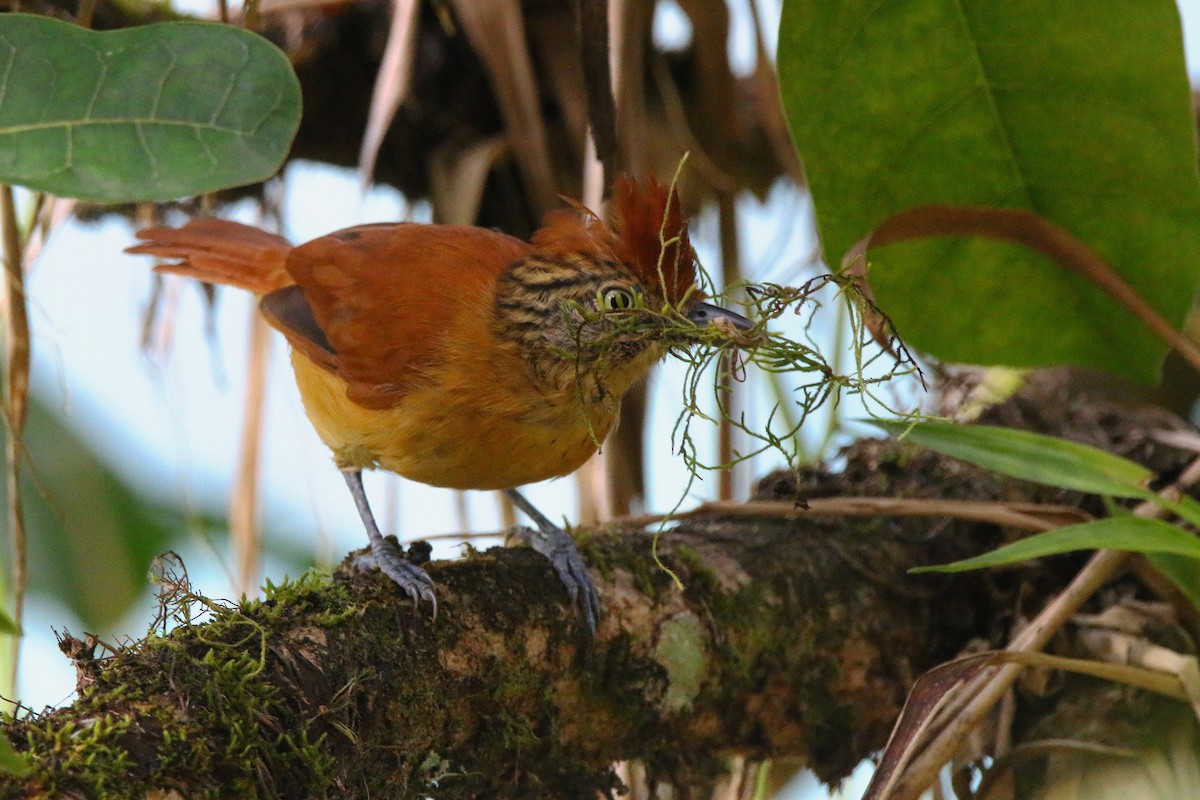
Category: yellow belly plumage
[474,440]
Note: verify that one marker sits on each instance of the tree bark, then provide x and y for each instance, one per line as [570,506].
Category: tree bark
[794,637]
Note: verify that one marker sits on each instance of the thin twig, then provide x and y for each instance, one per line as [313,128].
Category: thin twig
[1027,516]
[87,10]
[1035,232]
[595,62]
[730,275]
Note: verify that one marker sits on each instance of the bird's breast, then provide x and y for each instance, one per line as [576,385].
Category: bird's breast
[457,432]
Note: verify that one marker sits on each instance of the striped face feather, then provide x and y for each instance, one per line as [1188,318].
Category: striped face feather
[565,316]
[567,305]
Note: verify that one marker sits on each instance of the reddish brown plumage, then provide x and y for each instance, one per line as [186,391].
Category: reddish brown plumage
[646,232]
[568,232]
[398,338]
[387,297]
[220,251]
[457,356]
[651,236]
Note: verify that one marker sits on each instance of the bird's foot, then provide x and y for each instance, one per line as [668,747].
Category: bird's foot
[386,556]
[560,550]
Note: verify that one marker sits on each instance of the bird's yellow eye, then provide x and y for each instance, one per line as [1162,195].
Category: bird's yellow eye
[617,299]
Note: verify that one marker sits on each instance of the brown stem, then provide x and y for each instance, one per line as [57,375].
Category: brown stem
[16,393]
[1029,230]
[243,508]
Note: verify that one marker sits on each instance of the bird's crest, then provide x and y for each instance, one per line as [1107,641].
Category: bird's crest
[652,238]
[645,232]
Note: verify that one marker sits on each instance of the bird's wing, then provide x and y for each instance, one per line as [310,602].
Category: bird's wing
[379,300]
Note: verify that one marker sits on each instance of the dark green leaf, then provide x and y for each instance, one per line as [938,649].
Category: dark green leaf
[91,538]
[148,113]
[1134,534]
[1081,114]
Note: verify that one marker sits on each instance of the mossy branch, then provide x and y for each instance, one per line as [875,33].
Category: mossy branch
[777,647]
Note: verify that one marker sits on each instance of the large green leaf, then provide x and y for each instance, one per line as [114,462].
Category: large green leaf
[92,537]
[1078,112]
[148,113]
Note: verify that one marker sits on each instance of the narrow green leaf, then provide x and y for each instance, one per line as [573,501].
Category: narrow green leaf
[8,624]
[149,113]
[1078,112]
[1133,534]
[1180,570]
[1030,456]
[1187,508]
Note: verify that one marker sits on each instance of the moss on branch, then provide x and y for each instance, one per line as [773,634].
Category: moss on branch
[793,637]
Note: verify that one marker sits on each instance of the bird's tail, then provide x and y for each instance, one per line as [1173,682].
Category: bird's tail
[220,251]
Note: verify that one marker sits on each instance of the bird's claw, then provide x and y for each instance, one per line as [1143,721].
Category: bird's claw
[560,551]
[385,555]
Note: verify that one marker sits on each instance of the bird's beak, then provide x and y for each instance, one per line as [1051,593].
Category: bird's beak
[703,313]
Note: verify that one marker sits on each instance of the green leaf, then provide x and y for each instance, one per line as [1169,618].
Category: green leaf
[1081,114]
[12,762]
[8,624]
[92,536]
[149,113]
[1030,456]
[1134,534]
[1180,570]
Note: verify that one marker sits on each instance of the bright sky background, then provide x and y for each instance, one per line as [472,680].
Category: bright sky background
[172,428]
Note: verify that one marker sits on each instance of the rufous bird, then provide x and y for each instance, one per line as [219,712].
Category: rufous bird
[461,357]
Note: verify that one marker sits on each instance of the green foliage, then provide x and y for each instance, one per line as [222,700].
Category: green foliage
[807,380]
[12,762]
[1042,459]
[1181,570]
[1134,534]
[1069,465]
[148,113]
[91,537]
[1081,114]
[198,703]
[1030,456]
[9,625]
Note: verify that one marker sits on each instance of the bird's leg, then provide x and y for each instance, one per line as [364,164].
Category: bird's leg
[554,543]
[385,554]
